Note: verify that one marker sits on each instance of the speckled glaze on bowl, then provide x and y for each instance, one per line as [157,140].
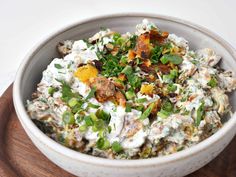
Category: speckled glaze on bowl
[178,164]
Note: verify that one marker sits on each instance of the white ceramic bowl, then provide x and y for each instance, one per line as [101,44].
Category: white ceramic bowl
[178,164]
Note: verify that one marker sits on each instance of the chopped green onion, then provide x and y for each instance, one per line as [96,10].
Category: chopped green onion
[51,90]
[109,129]
[147,112]
[91,105]
[167,106]
[124,59]
[200,113]
[93,116]
[139,108]
[98,125]
[128,70]
[103,115]
[175,59]
[83,128]
[106,144]
[128,107]
[116,36]
[79,119]
[72,102]
[100,143]
[171,87]
[213,82]
[167,78]
[91,93]
[141,100]
[68,118]
[88,121]
[130,94]
[163,114]
[174,73]
[116,147]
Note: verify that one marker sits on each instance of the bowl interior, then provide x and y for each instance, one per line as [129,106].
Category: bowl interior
[43,55]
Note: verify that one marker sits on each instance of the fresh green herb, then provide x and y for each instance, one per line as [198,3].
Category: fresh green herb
[116,147]
[110,64]
[68,118]
[213,82]
[132,41]
[91,93]
[67,94]
[156,53]
[175,59]
[116,36]
[58,66]
[147,112]
[200,113]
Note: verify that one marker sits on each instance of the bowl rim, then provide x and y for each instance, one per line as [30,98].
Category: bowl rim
[78,156]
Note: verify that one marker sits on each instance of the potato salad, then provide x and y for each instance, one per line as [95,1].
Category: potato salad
[131,96]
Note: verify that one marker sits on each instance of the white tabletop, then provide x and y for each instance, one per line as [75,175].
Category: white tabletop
[25,22]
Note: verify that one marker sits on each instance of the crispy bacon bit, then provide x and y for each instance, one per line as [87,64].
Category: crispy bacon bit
[143,46]
[156,107]
[144,68]
[114,51]
[165,69]
[120,98]
[122,77]
[156,36]
[105,89]
[192,97]
[131,55]
[147,63]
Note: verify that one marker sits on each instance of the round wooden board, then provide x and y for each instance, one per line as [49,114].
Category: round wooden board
[19,157]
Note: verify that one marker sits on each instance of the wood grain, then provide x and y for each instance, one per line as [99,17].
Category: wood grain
[19,157]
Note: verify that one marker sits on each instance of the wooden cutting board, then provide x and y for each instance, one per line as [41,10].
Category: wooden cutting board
[19,157]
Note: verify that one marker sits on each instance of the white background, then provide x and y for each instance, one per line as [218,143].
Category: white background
[24,22]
